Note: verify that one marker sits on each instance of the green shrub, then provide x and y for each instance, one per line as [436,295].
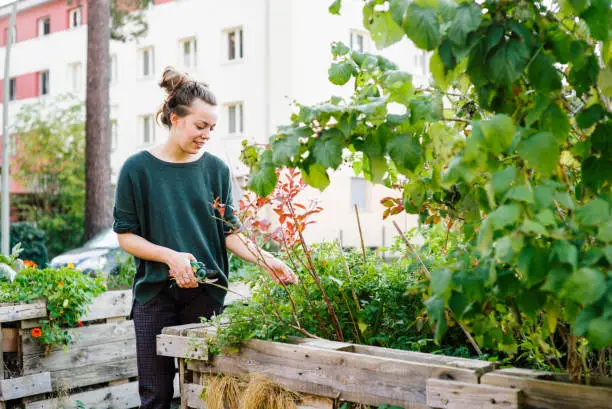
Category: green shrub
[32,242]
[64,232]
[385,313]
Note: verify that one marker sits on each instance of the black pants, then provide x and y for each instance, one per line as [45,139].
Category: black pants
[169,308]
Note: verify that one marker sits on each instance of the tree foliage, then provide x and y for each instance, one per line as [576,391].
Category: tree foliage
[128,22]
[50,162]
[512,145]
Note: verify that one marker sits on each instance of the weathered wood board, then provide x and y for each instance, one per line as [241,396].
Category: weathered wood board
[542,394]
[443,394]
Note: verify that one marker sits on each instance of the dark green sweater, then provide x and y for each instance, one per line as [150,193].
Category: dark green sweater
[170,204]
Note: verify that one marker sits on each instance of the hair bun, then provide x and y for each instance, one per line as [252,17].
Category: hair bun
[172,80]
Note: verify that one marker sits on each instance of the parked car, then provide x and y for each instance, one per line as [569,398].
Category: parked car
[100,253]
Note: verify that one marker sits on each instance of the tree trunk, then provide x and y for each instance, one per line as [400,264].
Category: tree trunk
[97,150]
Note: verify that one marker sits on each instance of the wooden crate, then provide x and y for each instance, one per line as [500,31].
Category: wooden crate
[373,376]
[98,353]
[97,367]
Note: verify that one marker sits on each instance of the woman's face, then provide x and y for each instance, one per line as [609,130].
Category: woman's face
[193,131]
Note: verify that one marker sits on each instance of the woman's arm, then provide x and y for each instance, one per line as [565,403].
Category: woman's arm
[244,248]
[178,263]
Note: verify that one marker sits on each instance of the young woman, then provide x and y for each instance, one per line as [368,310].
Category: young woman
[164,217]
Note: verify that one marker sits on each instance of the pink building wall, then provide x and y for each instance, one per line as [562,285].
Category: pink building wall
[27,86]
[26,22]
[27,28]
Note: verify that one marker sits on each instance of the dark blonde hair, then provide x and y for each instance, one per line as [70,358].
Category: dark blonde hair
[181,90]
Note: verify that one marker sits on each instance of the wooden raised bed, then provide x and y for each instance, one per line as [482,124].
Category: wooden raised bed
[98,367]
[328,372]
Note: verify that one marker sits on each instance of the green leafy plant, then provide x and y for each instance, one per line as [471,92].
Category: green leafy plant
[67,292]
[343,296]
[371,304]
[510,146]
[122,276]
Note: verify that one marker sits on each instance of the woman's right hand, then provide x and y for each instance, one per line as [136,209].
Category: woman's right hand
[180,269]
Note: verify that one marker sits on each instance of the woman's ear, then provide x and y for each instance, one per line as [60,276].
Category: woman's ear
[174,118]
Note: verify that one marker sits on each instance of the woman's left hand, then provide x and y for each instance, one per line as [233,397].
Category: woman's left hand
[279,271]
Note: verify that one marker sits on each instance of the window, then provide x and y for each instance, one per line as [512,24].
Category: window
[43,83]
[359,193]
[74,17]
[113,134]
[112,71]
[189,53]
[148,129]
[234,44]
[235,119]
[75,76]
[44,26]
[146,62]
[357,41]
[12,89]
[12,36]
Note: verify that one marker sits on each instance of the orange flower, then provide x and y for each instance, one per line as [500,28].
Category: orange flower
[60,284]
[30,264]
[80,323]
[36,332]
[323,262]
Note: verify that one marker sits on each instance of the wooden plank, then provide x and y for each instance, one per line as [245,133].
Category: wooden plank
[77,357]
[10,339]
[542,394]
[94,374]
[118,396]
[327,344]
[474,364]
[182,347]
[107,305]
[30,323]
[119,382]
[20,312]
[443,394]
[115,319]
[192,395]
[110,304]
[554,376]
[193,400]
[523,372]
[354,377]
[83,337]
[182,386]
[181,329]
[412,356]
[16,388]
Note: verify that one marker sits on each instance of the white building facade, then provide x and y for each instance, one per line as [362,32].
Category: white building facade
[257,56]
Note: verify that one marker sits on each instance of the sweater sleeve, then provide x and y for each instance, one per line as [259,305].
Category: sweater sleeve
[125,212]
[231,223]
